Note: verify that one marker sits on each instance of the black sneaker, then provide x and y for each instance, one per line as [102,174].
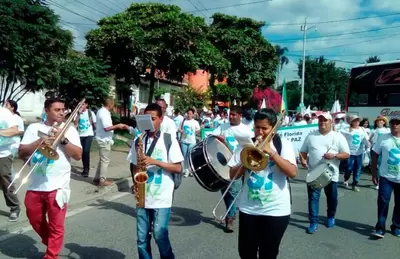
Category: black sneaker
[85,174]
[14,216]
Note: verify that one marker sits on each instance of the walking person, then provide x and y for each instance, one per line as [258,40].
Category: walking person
[322,145]
[8,131]
[190,127]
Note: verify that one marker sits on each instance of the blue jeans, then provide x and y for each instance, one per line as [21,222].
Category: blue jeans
[331,200]
[354,164]
[86,143]
[230,196]
[158,218]
[186,147]
[384,194]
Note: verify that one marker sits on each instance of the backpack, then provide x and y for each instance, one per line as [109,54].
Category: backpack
[168,143]
[176,177]
[277,141]
[91,121]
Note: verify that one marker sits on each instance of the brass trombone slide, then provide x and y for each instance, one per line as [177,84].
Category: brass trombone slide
[47,151]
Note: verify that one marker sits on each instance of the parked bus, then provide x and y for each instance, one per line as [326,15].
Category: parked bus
[374,89]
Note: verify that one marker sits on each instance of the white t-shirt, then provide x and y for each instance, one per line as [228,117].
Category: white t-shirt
[7,120]
[342,126]
[219,121]
[248,123]
[178,121]
[168,126]
[189,131]
[316,145]
[378,132]
[103,120]
[21,127]
[51,174]
[357,140]
[388,147]
[266,192]
[232,132]
[85,128]
[160,185]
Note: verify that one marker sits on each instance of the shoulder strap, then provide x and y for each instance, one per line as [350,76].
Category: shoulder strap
[277,141]
[167,141]
[91,119]
[152,146]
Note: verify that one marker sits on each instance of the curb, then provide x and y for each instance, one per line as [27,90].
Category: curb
[120,185]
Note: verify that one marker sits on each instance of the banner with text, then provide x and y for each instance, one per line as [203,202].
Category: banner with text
[295,134]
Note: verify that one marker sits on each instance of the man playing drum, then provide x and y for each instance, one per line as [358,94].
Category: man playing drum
[323,145]
[228,132]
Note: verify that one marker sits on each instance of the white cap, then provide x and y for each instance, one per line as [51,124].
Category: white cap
[354,117]
[326,115]
[340,116]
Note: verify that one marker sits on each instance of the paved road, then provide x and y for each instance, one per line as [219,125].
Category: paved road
[107,230]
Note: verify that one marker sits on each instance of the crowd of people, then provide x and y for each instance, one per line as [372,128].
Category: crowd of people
[264,209]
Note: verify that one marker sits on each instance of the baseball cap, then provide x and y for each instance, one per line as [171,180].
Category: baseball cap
[326,115]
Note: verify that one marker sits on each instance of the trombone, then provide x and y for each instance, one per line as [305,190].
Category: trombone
[46,151]
[252,158]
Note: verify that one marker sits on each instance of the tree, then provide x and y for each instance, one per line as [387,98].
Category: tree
[373,59]
[152,37]
[323,82]
[188,98]
[31,44]
[83,76]
[226,93]
[283,60]
[252,58]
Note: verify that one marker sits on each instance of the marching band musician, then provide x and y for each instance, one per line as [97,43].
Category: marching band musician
[159,186]
[388,147]
[227,133]
[265,205]
[331,146]
[48,192]
[8,129]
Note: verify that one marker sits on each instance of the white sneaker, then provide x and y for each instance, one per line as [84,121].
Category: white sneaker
[377,187]
[346,184]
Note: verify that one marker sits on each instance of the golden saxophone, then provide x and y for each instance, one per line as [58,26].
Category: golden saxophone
[140,177]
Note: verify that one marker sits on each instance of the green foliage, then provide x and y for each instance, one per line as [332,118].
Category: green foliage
[31,43]
[155,36]
[188,98]
[226,93]
[252,58]
[83,76]
[158,92]
[323,82]
[373,59]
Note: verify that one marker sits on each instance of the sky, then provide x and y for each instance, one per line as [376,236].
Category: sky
[344,31]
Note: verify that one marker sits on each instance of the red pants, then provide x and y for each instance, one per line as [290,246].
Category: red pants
[38,204]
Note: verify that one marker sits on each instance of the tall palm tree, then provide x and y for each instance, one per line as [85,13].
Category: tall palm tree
[283,60]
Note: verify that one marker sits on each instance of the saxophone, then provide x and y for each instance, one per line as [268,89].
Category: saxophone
[140,177]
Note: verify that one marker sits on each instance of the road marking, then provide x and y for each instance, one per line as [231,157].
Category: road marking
[69,214]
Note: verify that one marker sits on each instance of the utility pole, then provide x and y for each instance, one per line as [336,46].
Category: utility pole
[304,28]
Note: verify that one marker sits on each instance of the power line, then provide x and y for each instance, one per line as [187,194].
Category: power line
[71,11]
[233,5]
[339,34]
[336,21]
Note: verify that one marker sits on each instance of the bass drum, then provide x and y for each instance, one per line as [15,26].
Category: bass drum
[208,161]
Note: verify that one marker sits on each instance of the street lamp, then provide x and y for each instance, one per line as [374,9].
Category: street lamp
[304,28]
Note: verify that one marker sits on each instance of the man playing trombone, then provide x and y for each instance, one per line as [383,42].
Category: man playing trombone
[48,192]
[265,204]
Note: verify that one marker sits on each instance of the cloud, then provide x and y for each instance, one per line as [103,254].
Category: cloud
[341,35]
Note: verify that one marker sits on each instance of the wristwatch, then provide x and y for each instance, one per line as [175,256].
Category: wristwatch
[64,142]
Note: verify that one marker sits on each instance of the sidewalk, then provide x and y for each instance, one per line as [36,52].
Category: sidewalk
[82,189]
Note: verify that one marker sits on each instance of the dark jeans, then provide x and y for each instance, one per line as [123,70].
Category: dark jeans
[230,196]
[260,235]
[354,164]
[386,188]
[343,166]
[86,143]
[158,218]
[5,179]
[331,200]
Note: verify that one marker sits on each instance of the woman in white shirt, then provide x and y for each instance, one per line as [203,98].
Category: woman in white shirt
[380,128]
[265,205]
[13,107]
[190,127]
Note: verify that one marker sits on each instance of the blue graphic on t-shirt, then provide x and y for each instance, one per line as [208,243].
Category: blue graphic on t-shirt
[187,130]
[255,185]
[232,143]
[44,117]
[394,161]
[45,166]
[356,139]
[83,125]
